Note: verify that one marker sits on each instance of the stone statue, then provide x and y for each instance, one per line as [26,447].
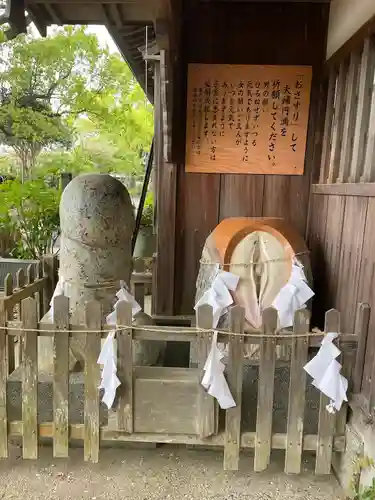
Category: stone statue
[97,223]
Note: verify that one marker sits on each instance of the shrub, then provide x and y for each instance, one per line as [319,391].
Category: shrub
[30,210]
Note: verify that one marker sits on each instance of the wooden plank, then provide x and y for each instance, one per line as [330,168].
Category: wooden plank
[326,425]
[366,189]
[3,384]
[20,278]
[76,431]
[61,377]
[350,260]
[366,294]
[366,77]
[316,243]
[326,147]
[265,392]
[30,274]
[369,165]
[30,380]
[93,321]
[196,221]
[125,412]
[297,394]
[235,378]
[49,263]
[165,400]
[164,271]
[8,291]
[338,124]
[349,118]
[241,196]
[206,403]
[138,289]
[332,248]
[233,151]
[18,295]
[361,330]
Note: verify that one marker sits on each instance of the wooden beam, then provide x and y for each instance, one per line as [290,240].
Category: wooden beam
[365,81]
[338,124]
[349,118]
[354,43]
[347,189]
[76,431]
[326,147]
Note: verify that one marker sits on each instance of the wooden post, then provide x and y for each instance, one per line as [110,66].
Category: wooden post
[206,403]
[3,384]
[93,322]
[297,393]
[265,391]
[235,377]
[30,380]
[361,331]
[40,295]
[326,425]
[8,291]
[125,367]
[61,377]
[139,288]
[50,272]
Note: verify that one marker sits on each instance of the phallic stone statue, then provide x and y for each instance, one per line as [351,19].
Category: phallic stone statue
[97,223]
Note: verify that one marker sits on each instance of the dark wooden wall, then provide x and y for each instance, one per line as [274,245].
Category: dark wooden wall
[342,242]
[237,33]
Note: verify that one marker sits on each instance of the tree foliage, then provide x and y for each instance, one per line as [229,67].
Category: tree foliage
[30,210]
[66,93]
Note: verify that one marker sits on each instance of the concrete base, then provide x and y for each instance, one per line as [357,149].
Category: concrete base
[45,398]
[360,444]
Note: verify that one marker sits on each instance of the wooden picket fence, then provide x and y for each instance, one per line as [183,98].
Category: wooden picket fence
[159,404]
[39,282]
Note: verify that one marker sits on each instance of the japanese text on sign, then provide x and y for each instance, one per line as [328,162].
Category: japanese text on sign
[247,119]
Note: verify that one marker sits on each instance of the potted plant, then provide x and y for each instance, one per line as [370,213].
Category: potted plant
[145,244]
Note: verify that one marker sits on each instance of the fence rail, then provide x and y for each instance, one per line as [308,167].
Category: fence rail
[185,413]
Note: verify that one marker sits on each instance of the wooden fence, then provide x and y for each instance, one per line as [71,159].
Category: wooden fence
[168,405]
[40,281]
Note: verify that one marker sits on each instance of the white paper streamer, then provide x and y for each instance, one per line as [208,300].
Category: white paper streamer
[293,296]
[325,371]
[107,357]
[214,380]
[218,295]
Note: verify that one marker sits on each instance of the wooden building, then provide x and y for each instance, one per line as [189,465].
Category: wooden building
[332,203]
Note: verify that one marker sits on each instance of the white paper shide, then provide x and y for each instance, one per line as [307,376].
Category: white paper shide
[218,296]
[293,296]
[325,371]
[108,355]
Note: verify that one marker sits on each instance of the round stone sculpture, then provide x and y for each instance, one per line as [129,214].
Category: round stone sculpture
[97,222]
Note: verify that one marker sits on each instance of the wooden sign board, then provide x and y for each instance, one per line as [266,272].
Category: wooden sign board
[247,119]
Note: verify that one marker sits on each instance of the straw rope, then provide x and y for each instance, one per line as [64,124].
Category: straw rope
[191,330]
[249,263]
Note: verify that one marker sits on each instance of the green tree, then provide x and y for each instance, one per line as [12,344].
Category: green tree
[29,210]
[50,86]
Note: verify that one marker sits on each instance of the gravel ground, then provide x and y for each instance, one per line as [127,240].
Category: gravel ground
[165,473]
